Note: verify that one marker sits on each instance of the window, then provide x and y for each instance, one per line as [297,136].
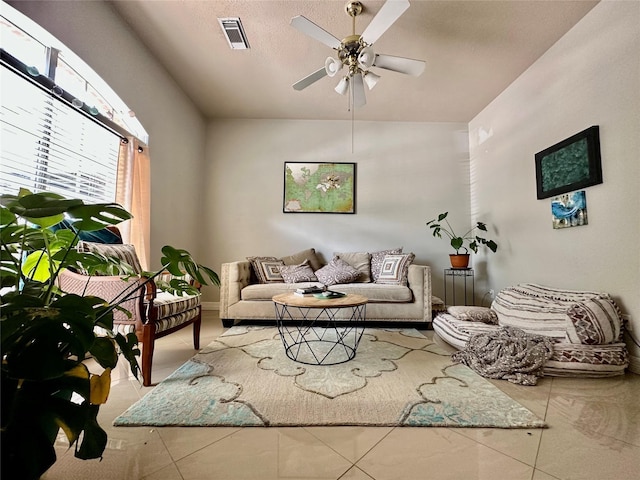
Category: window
[61,126]
[48,145]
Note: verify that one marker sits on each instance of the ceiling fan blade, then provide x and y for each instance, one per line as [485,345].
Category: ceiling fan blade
[359,98]
[386,16]
[400,64]
[309,28]
[309,79]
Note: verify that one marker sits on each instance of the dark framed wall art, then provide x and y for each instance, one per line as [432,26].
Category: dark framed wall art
[311,187]
[569,165]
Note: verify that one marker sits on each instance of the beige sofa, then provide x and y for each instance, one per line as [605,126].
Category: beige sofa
[243,298]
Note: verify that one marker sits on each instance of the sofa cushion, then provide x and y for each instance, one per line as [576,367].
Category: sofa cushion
[298,258]
[473,314]
[593,322]
[298,273]
[267,269]
[377,258]
[361,261]
[377,293]
[266,291]
[395,269]
[337,271]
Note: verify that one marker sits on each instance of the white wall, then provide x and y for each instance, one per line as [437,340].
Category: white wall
[589,77]
[406,174]
[176,128]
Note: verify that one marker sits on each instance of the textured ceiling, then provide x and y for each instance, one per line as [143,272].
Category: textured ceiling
[473,51]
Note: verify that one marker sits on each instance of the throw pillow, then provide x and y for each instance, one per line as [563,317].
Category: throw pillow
[298,258]
[124,252]
[593,322]
[267,269]
[474,314]
[298,273]
[337,271]
[377,258]
[361,261]
[395,269]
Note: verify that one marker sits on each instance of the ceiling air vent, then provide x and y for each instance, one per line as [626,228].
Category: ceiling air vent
[234,33]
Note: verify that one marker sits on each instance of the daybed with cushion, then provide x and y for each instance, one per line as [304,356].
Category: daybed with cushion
[585,327]
[397,289]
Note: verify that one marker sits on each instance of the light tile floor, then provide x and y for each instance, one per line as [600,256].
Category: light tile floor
[594,433]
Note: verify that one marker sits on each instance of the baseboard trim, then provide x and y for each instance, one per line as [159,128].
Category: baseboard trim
[634,364]
[210,305]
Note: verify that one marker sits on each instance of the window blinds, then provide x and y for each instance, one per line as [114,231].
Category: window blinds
[48,145]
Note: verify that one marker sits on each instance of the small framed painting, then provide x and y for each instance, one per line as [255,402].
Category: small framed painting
[319,187]
[569,210]
[569,165]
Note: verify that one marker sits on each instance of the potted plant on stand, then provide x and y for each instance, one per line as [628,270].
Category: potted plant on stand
[458,259]
[47,334]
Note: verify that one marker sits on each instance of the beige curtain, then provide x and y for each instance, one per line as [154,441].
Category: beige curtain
[133,192]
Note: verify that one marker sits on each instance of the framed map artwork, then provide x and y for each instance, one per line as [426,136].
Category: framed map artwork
[319,187]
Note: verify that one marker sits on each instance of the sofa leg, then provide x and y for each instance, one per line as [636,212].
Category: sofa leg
[227,322]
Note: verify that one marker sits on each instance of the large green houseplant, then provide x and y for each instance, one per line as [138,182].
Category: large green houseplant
[46,334]
[473,242]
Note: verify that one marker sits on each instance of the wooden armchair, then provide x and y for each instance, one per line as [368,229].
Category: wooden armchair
[154,313]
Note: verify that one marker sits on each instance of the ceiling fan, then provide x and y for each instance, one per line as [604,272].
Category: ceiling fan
[356,53]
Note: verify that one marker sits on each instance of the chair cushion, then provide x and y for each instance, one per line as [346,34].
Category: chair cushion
[175,320]
[124,252]
[168,304]
[593,322]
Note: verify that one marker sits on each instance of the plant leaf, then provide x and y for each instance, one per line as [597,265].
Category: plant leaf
[97,216]
[104,352]
[94,440]
[100,386]
[456,243]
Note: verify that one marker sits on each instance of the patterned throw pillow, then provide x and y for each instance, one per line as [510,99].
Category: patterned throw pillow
[361,261]
[473,314]
[124,252]
[376,261]
[298,273]
[593,322]
[395,269]
[267,269]
[337,271]
[298,258]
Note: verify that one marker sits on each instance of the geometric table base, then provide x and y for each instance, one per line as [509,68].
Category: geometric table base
[314,337]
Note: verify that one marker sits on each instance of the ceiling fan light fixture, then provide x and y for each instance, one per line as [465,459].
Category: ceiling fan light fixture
[332,66]
[366,57]
[343,86]
[371,79]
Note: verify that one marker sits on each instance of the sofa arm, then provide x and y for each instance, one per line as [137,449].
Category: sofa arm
[233,278]
[419,281]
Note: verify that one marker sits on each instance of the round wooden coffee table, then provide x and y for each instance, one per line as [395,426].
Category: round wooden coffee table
[320,331]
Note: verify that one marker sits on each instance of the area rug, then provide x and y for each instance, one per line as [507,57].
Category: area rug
[398,378]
